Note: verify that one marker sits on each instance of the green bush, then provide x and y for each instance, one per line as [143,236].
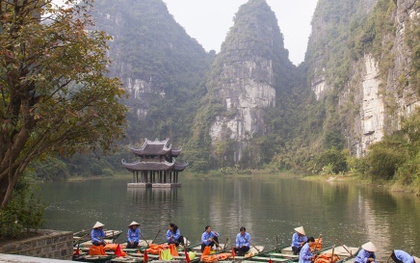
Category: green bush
[23,214]
[383,161]
[409,172]
[333,159]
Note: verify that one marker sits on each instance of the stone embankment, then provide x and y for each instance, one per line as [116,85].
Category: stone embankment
[51,244]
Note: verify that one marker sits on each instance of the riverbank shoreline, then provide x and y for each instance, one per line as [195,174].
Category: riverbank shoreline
[231,173]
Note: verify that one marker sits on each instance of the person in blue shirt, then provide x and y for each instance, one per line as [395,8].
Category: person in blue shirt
[243,242]
[97,234]
[400,256]
[366,254]
[133,235]
[305,254]
[299,238]
[209,238]
[173,235]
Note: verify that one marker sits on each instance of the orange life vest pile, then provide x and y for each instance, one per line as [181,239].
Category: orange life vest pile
[100,250]
[326,258]
[207,257]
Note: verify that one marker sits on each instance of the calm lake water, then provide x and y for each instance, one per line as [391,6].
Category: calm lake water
[267,207]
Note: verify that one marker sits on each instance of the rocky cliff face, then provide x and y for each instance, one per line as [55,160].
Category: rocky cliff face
[160,65]
[374,97]
[246,75]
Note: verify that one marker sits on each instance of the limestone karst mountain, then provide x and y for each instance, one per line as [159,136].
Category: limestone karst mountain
[249,106]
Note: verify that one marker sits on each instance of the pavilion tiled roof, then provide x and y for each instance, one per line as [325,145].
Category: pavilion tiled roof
[156,148]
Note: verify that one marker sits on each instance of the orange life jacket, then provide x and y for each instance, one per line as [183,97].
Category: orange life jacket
[215,257]
[326,258]
[97,250]
[317,243]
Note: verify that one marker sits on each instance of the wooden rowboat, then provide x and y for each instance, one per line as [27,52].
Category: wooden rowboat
[84,236]
[253,256]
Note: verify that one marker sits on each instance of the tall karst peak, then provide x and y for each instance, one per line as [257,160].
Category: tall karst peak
[255,31]
[246,76]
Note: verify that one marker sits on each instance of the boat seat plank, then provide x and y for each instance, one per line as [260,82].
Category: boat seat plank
[283,255]
[272,259]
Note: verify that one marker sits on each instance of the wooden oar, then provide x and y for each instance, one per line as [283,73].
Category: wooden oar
[217,244]
[351,254]
[144,239]
[185,243]
[390,256]
[332,255]
[81,231]
[252,245]
[79,240]
[156,237]
[224,247]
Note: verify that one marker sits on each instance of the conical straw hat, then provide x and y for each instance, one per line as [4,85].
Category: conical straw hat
[416,259]
[300,230]
[134,223]
[98,224]
[369,246]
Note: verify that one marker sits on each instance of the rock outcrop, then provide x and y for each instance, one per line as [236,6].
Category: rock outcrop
[247,72]
[373,99]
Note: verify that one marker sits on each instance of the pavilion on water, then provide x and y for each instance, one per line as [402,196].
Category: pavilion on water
[156,166]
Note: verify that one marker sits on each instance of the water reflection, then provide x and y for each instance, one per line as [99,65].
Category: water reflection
[152,195]
[267,207]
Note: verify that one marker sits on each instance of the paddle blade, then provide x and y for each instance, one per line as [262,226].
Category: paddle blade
[233,253]
[187,257]
[77,252]
[145,257]
[118,251]
[270,261]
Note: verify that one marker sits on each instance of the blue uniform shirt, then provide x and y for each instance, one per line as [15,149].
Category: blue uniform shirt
[403,256]
[364,255]
[97,235]
[243,240]
[305,254]
[296,239]
[133,235]
[205,236]
[170,236]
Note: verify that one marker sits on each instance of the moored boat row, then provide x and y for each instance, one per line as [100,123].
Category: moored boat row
[164,253]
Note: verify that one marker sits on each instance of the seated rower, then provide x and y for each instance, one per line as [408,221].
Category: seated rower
[400,256]
[173,235]
[299,238]
[97,234]
[209,238]
[305,254]
[366,254]
[133,235]
[243,242]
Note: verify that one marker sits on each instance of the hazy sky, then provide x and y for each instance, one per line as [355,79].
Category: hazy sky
[208,21]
